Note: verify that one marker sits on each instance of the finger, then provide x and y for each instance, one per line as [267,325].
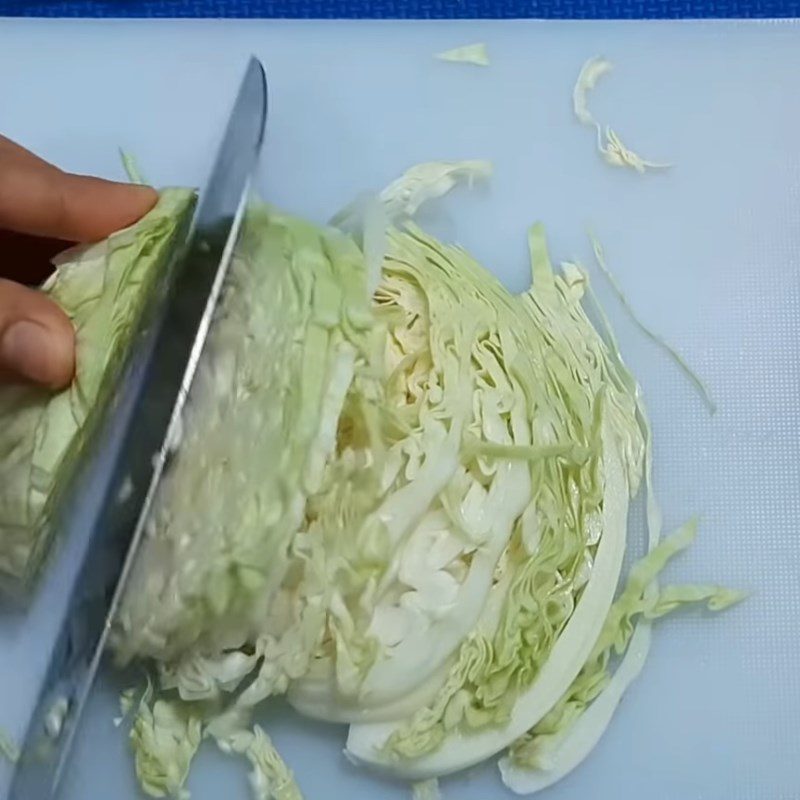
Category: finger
[37,341]
[39,199]
[9,149]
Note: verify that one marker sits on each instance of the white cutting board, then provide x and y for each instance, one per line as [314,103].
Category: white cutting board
[709,254]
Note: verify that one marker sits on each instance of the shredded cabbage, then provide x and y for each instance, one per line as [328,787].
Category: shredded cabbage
[165,738]
[422,182]
[476,54]
[270,778]
[693,377]
[609,145]
[54,719]
[126,705]
[590,73]
[131,167]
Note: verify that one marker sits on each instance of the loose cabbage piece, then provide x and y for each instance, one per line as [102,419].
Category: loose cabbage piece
[270,779]
[8,747]
[165,739]
[476,54]
[54,719]
[609,144]
[104,288]
[560,741]
[693,377]
[426,790]
[590,73]
[126,703]
[422,182]
[618,155]
[218,569]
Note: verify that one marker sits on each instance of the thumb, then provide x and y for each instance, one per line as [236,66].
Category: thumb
[37,341]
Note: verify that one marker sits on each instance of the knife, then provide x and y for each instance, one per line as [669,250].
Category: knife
[158,378]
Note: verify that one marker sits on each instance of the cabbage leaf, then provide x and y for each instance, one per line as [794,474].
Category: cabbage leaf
[104,288]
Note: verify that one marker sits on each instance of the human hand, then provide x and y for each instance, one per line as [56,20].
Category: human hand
[42,211]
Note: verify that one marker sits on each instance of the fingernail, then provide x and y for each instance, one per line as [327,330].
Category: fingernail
[31,351]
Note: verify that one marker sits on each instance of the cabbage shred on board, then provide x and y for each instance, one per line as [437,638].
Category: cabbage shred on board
[401,500]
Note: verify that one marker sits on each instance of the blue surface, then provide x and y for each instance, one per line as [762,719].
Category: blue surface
[408,9]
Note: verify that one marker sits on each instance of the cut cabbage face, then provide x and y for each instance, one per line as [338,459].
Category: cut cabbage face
[442,514]
[104,288]
[270,388]
[557,550]
[270,778]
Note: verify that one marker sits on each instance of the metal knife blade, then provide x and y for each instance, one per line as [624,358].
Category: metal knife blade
[159,378]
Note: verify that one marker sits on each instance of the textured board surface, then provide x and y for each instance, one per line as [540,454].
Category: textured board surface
[405,9]
[709,254]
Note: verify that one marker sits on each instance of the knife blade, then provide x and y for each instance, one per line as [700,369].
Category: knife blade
[158,379]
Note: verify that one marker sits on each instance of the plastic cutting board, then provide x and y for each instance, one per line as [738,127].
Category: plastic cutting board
[708,252]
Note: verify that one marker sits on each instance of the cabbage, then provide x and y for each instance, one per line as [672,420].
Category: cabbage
[431,179]
[8,747]
[440,515]
[476,54]
[426,790]
[165,739]
[104,288]
[399,496]
[562,739]
[270,777]
[611,148]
